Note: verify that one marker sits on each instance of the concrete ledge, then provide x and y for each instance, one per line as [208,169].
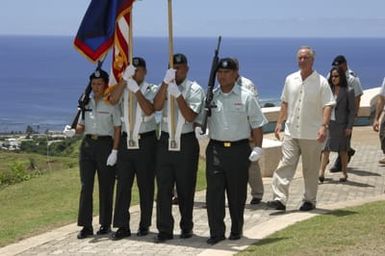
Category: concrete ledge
[368,102]
[270,159]
[271,113]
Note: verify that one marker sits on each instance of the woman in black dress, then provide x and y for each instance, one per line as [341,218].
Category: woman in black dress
[341,123]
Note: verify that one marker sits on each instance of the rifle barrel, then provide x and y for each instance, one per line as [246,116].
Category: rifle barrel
[210,87]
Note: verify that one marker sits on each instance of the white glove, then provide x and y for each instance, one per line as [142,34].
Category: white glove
[111,160]
[129,72]
[199,135]
[169,76]
[68,131]
[132,85]
[174,90]
[256,154]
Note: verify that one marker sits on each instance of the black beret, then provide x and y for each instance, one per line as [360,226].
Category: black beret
[100,73]
[227,63]
[138,62]
[179,58]
[340,59]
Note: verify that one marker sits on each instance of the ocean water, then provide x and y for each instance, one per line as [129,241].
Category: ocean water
[42,77]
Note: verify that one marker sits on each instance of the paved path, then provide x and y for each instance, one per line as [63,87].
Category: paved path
[365,184]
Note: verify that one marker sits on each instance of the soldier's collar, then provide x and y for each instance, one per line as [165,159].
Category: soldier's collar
[236,90]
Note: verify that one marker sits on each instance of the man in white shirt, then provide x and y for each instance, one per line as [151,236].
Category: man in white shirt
[307,102]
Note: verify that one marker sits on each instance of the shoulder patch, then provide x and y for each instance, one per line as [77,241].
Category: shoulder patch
[195,86]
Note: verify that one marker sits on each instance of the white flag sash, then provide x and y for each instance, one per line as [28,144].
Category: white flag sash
[133,142]
[174,145]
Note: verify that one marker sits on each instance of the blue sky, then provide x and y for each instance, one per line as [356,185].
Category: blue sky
[237,18]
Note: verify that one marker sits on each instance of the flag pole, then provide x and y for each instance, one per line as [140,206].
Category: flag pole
[131,94]
[171,61]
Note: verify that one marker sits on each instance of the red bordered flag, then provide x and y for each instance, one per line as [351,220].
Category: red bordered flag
[106,23]
[120,52]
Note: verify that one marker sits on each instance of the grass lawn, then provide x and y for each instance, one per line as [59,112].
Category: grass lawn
[46,201]
[351,231]
[37,205]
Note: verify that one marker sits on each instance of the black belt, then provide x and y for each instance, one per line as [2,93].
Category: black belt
[98,137]
[228,144]
[141,135]
[183,134]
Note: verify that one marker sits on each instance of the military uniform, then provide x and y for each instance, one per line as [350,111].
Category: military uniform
[96,146]
[139,163]
[178,167]
[235,115]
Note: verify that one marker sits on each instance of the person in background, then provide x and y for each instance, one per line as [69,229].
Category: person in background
[255,177]
[228,154]
[98,154]
[341,123]
[377,127]
[177,167]
[353,82]
[306,105]
[135,163]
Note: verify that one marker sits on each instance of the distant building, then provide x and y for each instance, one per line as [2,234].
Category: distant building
[11,144]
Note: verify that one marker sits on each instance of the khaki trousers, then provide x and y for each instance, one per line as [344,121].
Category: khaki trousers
[292,149]
[255,180]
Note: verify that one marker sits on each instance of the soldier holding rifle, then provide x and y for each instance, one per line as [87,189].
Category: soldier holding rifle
[98,153]
[235,116]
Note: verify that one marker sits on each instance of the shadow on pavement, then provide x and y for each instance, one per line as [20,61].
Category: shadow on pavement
[362,172]
[348,182]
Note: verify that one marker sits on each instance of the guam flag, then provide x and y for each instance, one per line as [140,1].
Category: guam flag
[102,26]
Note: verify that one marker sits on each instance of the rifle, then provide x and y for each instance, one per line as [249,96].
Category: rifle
[210,87]
[84,99]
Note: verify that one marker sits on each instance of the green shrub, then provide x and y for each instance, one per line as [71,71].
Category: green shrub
[18,172]
[68,147]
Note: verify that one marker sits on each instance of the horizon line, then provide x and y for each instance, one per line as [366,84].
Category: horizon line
[216,36]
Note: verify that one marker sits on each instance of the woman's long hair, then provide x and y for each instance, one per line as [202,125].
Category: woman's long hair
[343,80]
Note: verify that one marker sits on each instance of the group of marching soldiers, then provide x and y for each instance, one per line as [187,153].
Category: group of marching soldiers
[235,140]
[235,120]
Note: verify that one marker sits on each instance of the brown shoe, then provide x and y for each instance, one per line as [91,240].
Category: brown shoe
[382,161]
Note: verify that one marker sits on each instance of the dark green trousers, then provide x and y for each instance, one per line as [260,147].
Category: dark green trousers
[93,159]
[139,163]
[226,172]
[180,168]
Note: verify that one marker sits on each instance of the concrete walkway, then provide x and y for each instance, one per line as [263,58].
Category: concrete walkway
[365,184]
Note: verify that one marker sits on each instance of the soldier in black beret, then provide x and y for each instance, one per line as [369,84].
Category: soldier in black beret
[98,155]
[135,160]
[228,154]
[177,166]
